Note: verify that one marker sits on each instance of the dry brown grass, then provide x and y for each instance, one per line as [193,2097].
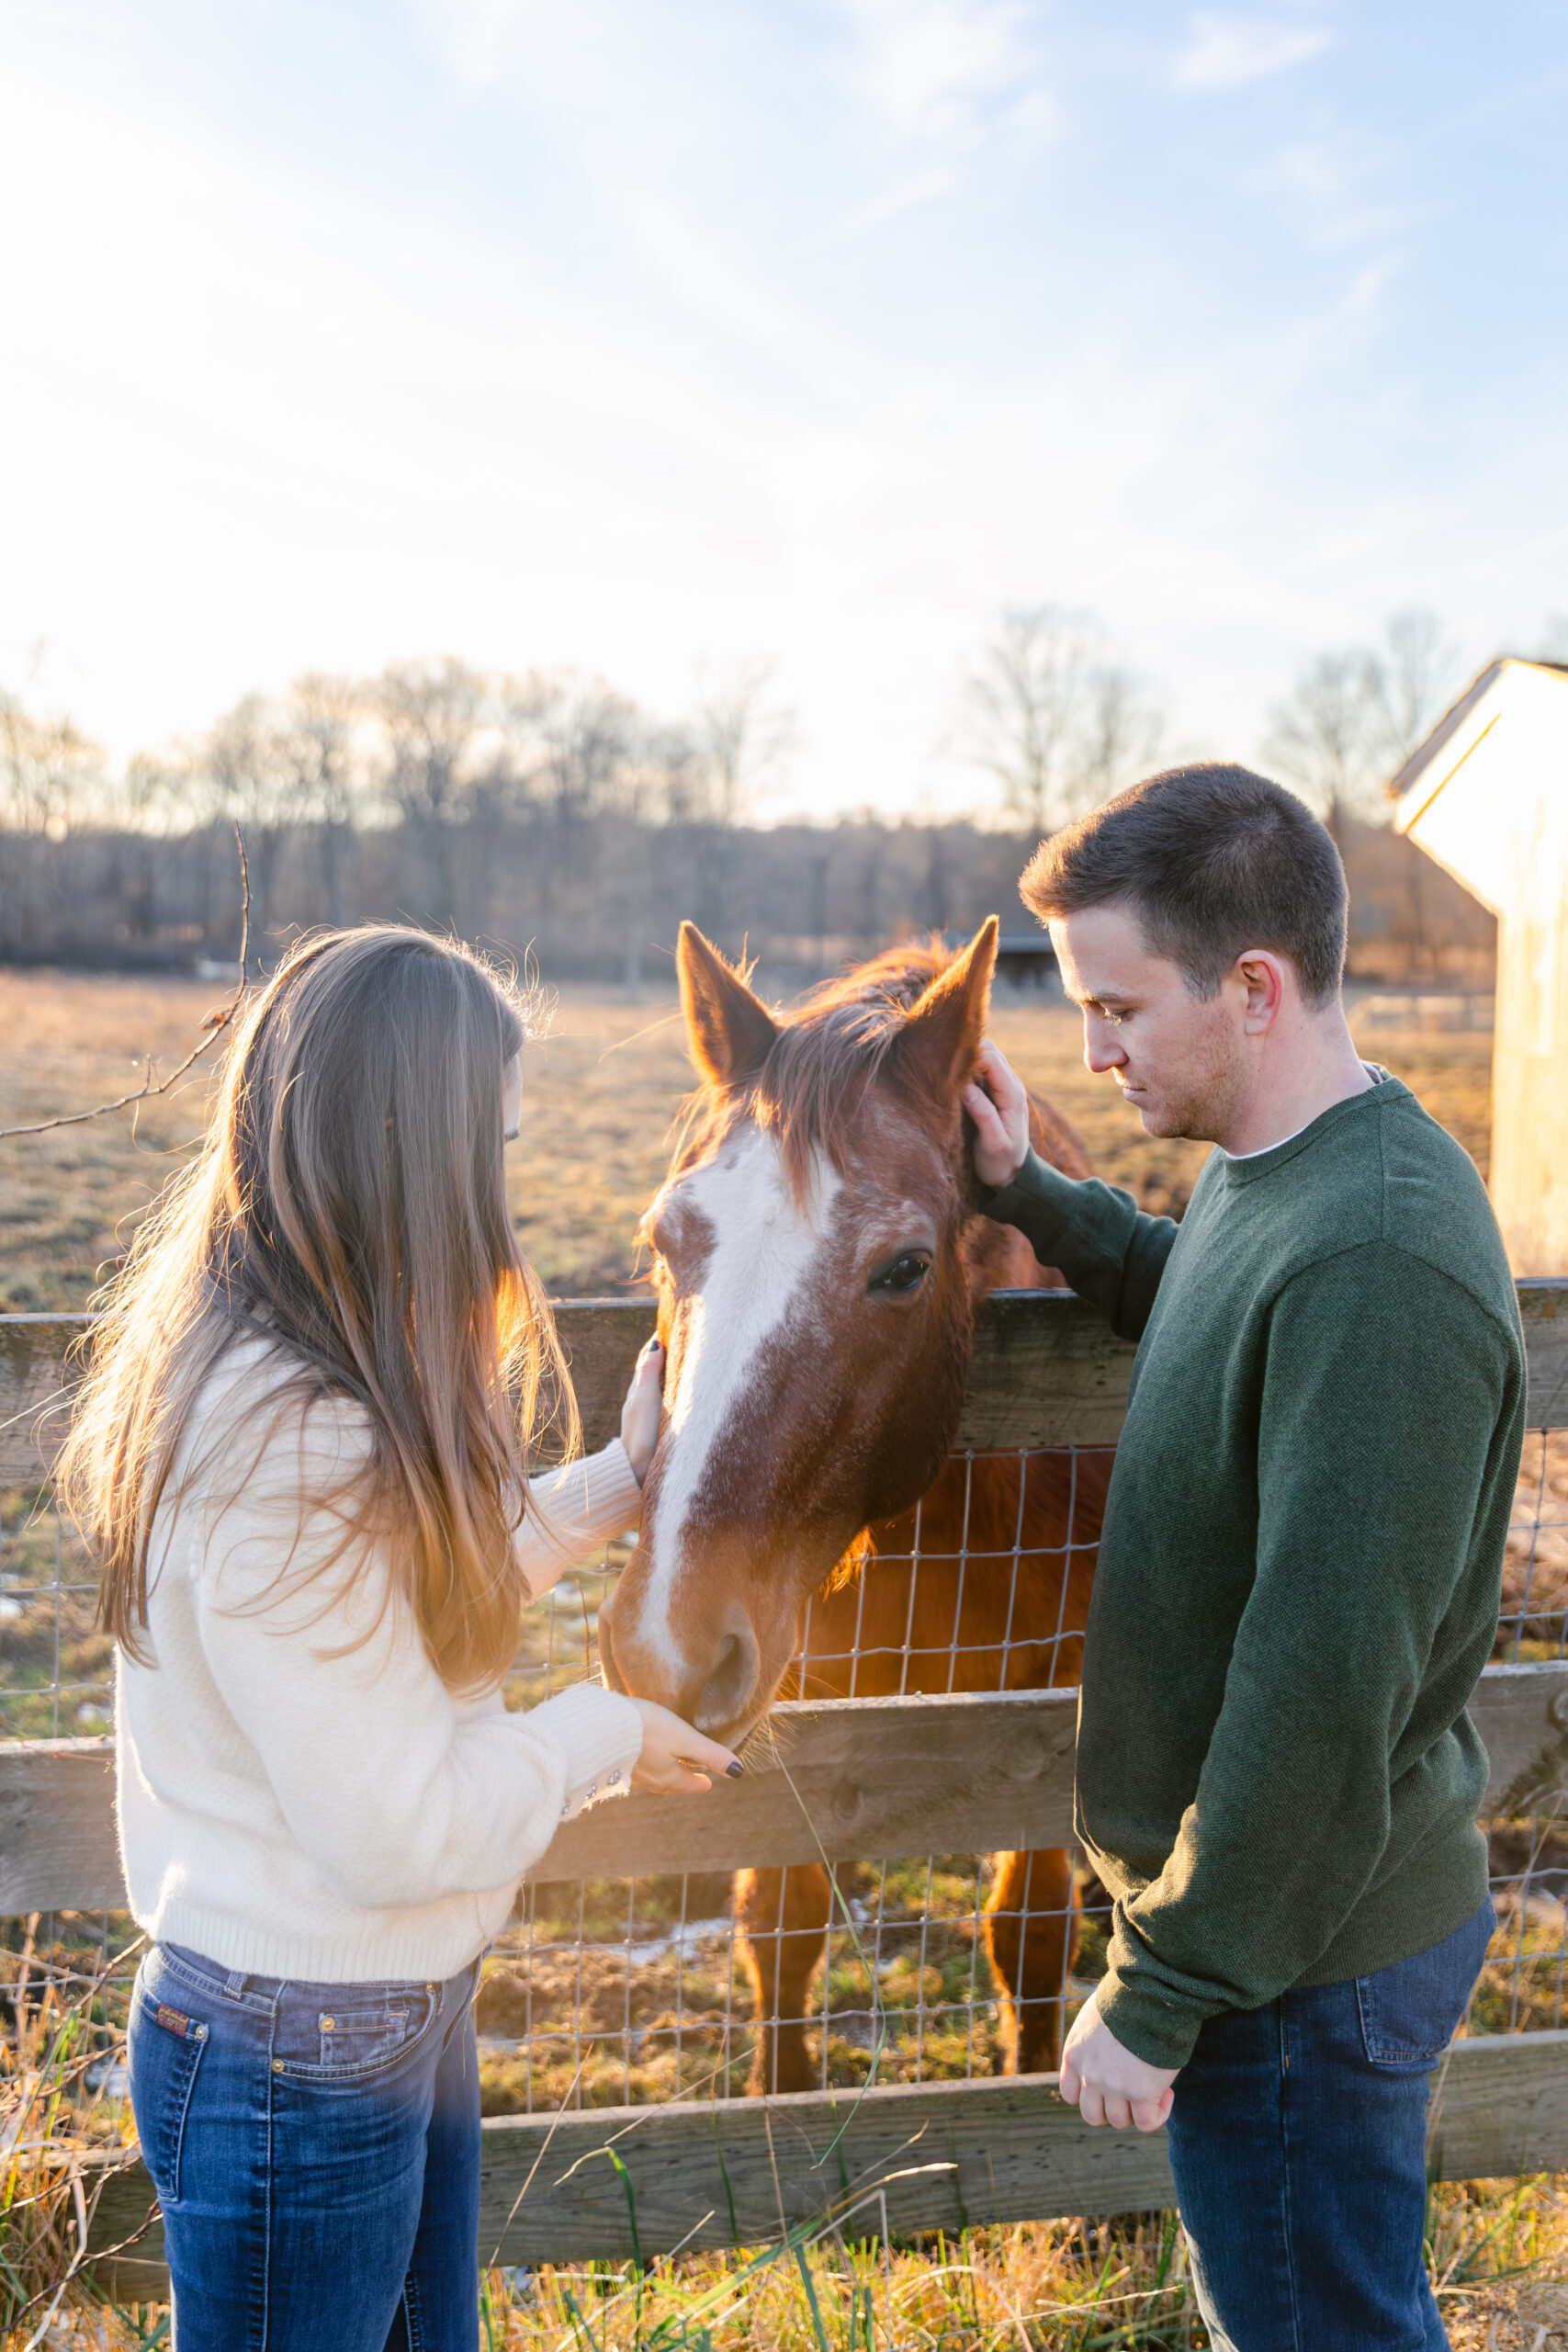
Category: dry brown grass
[1499,2253]
[602,1088]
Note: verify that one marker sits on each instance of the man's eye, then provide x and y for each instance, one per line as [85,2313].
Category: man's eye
[906,1271]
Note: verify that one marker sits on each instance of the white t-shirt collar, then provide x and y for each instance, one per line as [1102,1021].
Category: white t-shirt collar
[1377,1077]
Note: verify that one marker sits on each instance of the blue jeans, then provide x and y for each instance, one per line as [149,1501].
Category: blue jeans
[316,2152]
[1298,2139]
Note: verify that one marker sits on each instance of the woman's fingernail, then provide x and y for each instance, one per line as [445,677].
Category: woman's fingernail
[735,1771]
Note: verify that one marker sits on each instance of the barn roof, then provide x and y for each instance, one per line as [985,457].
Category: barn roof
[1452,721]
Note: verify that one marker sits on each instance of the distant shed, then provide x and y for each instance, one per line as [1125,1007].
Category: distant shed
[1486,796]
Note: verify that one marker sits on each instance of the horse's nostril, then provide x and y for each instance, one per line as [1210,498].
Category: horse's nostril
[730,1683]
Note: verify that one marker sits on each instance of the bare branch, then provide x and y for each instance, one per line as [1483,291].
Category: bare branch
[214,1026]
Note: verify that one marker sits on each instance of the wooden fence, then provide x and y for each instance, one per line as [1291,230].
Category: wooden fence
[892,1777]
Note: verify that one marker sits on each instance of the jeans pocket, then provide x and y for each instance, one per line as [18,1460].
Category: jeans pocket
[1408,2012]
[347,2033]
[363,2037]
[165,2046]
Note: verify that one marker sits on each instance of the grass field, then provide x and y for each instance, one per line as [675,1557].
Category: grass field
[602,1087]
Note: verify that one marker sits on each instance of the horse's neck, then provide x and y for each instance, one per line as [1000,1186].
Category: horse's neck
[1000,1259]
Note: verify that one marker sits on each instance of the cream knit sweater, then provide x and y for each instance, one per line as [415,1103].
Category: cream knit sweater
[293,1807]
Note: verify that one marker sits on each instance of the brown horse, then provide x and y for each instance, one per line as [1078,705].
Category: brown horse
[820,1255]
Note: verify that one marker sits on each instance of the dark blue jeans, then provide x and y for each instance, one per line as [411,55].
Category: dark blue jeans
[316,2152]
[1298,2139]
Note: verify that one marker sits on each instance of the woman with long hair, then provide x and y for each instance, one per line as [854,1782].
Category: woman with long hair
[302,1454]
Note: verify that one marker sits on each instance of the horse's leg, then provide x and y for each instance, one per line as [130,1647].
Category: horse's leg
[783,1918]
[1031,1934]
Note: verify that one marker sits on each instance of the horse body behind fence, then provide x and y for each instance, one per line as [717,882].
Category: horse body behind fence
[984,1586]
[820,1257]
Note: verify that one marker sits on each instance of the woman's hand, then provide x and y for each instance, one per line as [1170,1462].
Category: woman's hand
[639,1414]
[997,1102]
[676,1760]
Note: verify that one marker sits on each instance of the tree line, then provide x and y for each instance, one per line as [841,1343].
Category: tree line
[549,813]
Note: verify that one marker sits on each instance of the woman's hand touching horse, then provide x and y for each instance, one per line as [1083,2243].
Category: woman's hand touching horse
[995,1100]
[676,1760]
[639,1414]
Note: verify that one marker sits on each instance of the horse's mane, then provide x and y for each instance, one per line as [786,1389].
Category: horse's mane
[830,1049]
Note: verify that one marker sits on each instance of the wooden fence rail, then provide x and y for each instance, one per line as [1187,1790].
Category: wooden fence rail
[1046,1370]
[889,1778]
[944,2156]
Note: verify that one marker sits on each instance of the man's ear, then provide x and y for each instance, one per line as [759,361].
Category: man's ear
[730,1031]
[941,1038]
[1262,973]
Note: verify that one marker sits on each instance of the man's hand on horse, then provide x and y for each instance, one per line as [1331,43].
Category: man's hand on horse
[995,1100]
[1107,2084]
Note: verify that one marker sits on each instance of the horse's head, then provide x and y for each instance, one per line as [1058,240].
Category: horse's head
[814,1300]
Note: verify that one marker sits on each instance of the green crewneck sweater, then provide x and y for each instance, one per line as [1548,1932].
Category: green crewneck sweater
[1300,1575]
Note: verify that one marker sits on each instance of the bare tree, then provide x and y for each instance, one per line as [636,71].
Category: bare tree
[1410,683]
[588,734]
[1059,728]
[1117,738]
[48,768]
[1025,701]
[742,737]
[145,806]
[1353,718]
[246,755]
[431,713]
[322,716]
[677,776]
[1322,736]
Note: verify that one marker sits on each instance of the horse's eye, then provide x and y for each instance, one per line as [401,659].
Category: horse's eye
[906,1272]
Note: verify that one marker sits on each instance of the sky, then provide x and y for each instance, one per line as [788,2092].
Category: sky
[654,339]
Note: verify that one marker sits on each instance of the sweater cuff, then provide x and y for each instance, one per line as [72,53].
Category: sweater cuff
[1037,1196]
[1160,2031]
[598,1735]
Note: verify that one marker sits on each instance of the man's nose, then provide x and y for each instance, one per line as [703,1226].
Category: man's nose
[1102,1049]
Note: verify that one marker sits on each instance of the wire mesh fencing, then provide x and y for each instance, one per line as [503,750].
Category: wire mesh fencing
[1534,1619]
[604,1992]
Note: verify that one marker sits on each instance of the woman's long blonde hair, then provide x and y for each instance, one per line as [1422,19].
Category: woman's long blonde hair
[350,1205]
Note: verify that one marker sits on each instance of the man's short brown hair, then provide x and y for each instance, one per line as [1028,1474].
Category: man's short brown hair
[1214,860]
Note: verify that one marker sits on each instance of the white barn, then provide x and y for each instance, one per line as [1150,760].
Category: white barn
[1486,796]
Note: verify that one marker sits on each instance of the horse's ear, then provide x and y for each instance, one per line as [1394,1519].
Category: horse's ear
[941,1040]
[728,1029]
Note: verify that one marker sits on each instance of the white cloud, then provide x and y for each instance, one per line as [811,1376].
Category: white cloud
[940,80]
[1227,52]
[933,69]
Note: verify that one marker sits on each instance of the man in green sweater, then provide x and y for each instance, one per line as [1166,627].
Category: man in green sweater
[1298,1577]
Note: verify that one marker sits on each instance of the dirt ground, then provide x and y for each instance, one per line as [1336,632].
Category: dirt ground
[604,1083]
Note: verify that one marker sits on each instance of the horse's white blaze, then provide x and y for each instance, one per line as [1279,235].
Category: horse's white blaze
[762,1250]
